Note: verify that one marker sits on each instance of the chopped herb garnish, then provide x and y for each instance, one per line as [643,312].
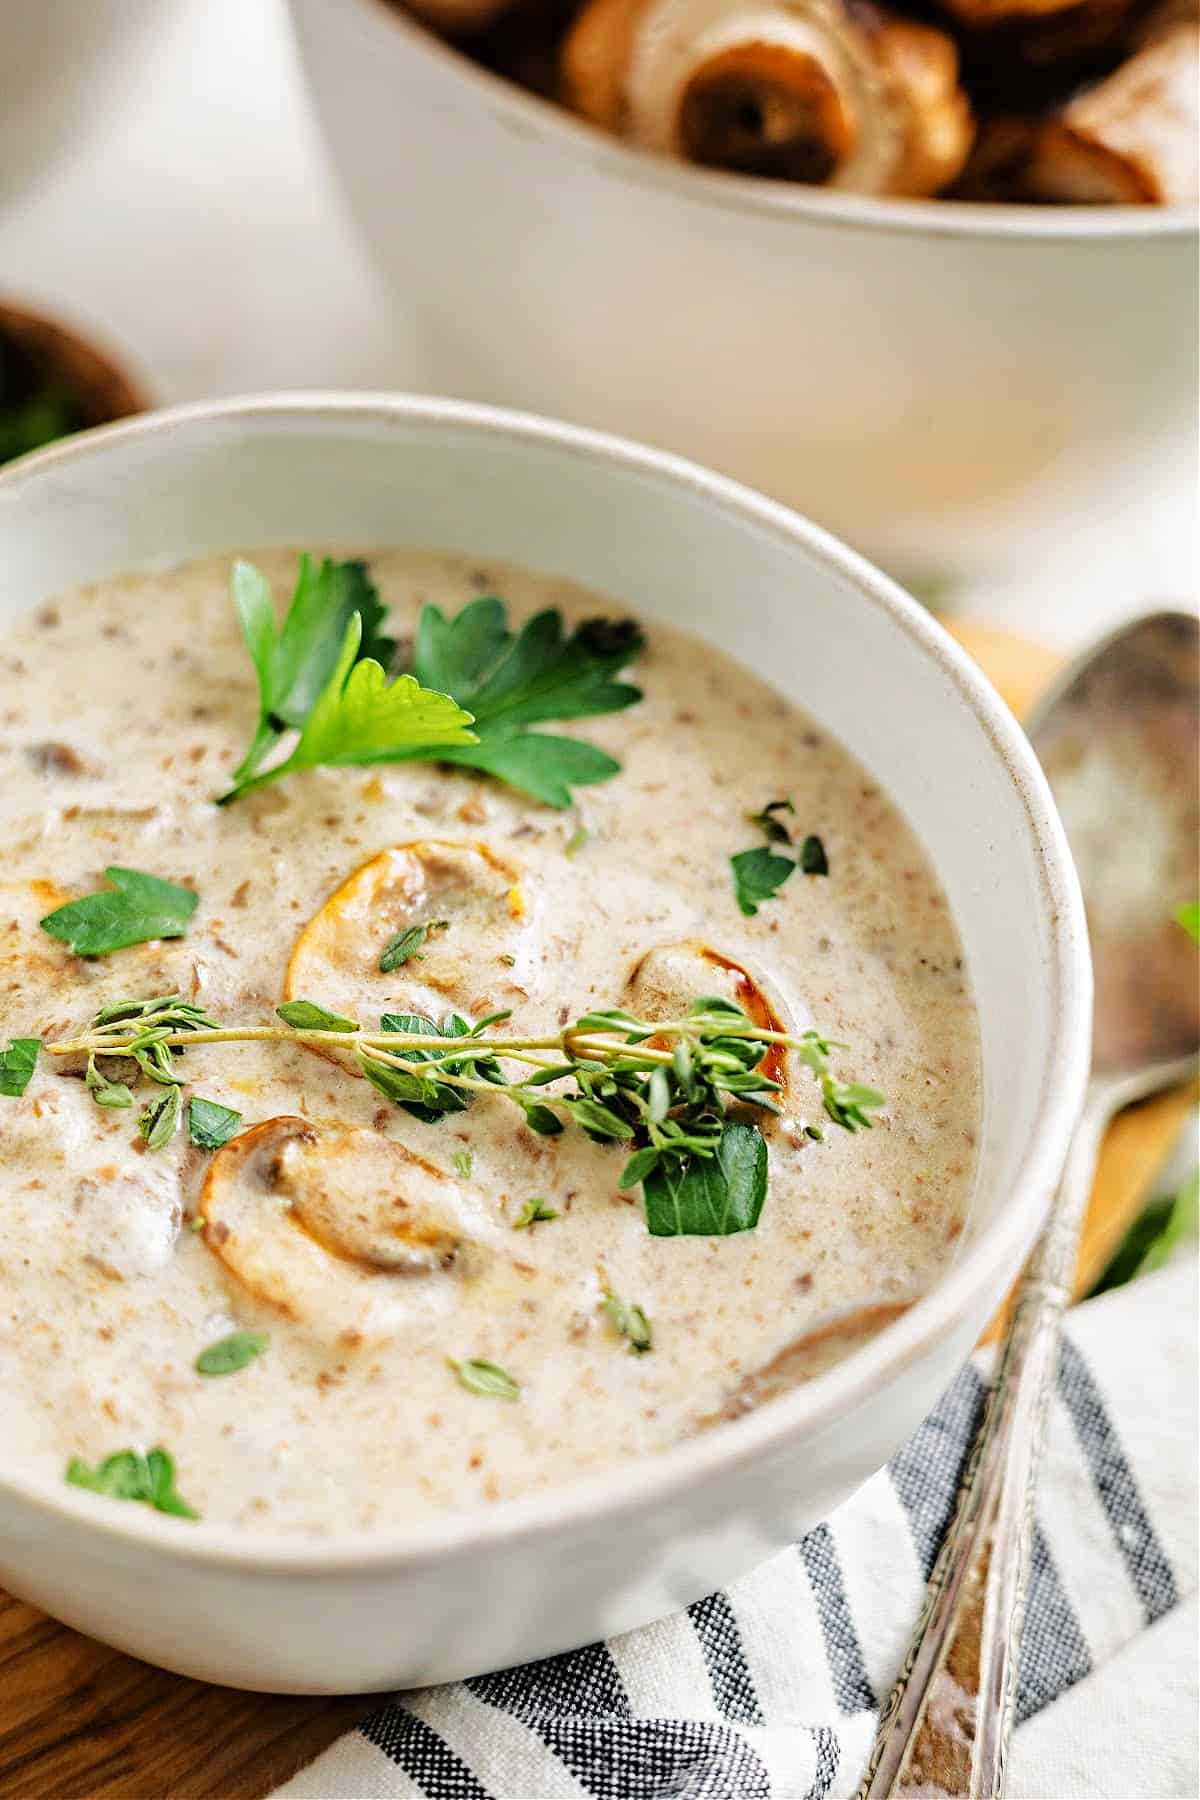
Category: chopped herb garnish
[772,828]
[661,1087]
[128,1475]
[211,1125]
[418,1092]
[229,1354]
[629,1322]
[322,674]
[17,1063]
[135,910]
[758,875]
[576,841]
[711,1196]
[847,1103]
[486,1378]
[103,1091]
[534,1212]
[198,1223]
[464,1162]
[509,681]
[160,1121]
[306,1015]
[1188,915]
[813,860]
[406,944]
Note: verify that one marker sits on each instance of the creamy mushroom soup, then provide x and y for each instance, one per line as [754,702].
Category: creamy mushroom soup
[326,1310]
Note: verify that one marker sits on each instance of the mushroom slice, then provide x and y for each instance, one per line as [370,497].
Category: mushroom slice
[1131,139]
[473,897]
[1128,141]
[343,1229]
[806,1357]
[671,976]
[798,90]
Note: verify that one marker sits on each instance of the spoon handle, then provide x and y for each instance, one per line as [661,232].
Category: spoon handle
[945,1726]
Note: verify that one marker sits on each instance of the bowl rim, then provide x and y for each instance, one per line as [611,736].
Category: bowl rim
[528,114]
[631,1487]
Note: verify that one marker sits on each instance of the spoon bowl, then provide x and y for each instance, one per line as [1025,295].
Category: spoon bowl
[1117,740]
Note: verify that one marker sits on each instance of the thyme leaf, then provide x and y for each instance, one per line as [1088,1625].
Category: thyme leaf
[486,1378]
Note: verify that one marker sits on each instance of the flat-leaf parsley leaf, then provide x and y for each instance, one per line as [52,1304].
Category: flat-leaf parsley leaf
[361,717]
[17,1064]
[128,1475]
[136,909]
[209,1124]
[509,681]
[295,664]
[710,1196]
[757,876]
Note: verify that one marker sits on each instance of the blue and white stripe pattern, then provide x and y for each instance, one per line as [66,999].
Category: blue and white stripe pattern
[768,1691]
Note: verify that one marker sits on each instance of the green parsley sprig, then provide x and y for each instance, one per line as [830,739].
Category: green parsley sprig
[474,690]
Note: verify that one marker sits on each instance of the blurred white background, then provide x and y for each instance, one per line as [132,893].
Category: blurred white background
[192,225]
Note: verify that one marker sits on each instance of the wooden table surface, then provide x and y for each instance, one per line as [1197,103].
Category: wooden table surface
[79,1721]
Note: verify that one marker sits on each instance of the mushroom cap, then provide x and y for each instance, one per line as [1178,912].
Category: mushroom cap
[343,1229]
[476,893]
[665,981]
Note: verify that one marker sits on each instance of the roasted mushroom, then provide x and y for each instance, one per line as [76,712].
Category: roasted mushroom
[806,1357]
[1128,141]
[343,1229]
[1131,140]
[803,91]
[668,978]
[474,912]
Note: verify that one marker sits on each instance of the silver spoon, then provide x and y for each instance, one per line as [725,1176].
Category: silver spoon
[1117,738]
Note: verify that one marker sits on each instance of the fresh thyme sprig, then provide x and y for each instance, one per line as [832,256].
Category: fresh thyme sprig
[663,1088]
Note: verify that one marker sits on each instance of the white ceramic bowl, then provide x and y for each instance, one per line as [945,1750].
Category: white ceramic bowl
[528,1577]
[57,60]
[993,393]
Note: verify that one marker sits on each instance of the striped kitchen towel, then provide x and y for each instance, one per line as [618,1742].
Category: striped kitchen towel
[769,1690]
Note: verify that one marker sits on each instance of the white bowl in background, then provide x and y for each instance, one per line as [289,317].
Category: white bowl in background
[57,59]
[527,1577]
[1005,395]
